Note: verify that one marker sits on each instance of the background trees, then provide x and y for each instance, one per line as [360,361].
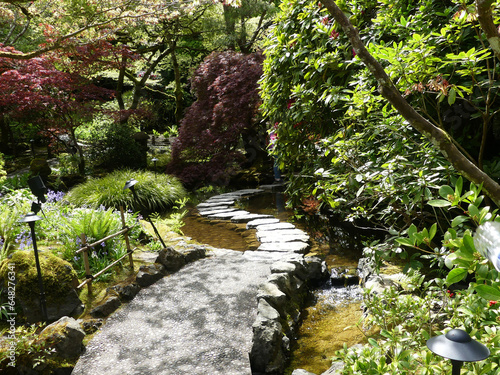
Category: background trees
[224,113]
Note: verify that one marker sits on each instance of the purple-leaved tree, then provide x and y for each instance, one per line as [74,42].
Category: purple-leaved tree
[222,117]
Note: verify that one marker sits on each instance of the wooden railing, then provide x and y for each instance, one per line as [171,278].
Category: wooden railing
[86,247]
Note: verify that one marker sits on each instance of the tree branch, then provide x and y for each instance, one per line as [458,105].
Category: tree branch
[436,135]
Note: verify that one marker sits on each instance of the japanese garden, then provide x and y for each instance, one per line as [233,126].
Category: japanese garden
[260,187]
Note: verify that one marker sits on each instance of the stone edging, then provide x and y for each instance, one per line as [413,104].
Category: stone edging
[281,298]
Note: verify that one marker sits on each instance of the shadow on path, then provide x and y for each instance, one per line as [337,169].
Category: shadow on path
[197,321]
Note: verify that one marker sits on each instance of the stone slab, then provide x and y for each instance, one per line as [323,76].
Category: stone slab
[254,223]
[280,232]
[285,238]
[215,204]
[294,247]
[275,226]
[249,217]
[213,212]
[269,256]
[227,215]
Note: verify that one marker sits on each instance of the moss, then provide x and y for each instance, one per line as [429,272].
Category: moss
[58,275]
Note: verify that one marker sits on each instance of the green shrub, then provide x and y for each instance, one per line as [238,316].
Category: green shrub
[156,192]
[95,225]
[12,207]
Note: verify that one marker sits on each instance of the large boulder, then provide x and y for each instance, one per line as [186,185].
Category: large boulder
[59,282]
[65,336]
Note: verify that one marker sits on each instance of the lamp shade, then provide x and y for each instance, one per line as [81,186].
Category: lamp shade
[30,218]
[457,345]
[154,160]
[130,183]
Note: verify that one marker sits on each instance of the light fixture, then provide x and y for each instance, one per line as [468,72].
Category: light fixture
[458,346]
[154,160]
[31,218]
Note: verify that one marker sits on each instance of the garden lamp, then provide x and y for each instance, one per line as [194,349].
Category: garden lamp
[154,160]
[487,242]
[130,185]
[31,219]
[39,190]
[458,346]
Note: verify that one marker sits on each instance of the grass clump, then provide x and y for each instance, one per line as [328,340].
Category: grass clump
[155,192]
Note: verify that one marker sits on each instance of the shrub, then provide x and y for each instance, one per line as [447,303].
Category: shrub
[12,207]
[156,192]
[225,85]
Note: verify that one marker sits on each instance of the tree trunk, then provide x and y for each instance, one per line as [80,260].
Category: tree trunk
[437,136]
[179,97]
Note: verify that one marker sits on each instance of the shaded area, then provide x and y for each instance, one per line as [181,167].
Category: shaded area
[196,321]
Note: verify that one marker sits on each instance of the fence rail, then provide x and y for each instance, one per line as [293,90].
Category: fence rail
[86,247]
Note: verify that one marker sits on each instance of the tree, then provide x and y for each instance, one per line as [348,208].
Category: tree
[35,90]
[438,136]
[225,85]
[64,23]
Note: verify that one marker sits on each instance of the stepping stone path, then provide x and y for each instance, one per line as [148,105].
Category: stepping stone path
[198,320]
[275,236]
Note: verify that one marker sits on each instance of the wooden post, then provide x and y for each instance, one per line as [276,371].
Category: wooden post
[127,242]
[88,275]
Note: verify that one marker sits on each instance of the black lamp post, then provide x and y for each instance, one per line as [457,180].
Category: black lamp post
[31,219]
[458,346]
[154,160]
[130,185]
[39,190]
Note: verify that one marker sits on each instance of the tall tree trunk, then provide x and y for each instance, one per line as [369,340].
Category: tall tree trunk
[437,136]
[179,97]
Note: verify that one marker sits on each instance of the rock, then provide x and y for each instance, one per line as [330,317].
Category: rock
[91,325]
[40,166]
[126,292]
[335,369]
[317,270]
[171,259]
[66,336]
[299,247]
[194,253]
[377,284]
[273,295]
[148,275]
[275,226]
[59,282]
[266,355]
[302,372]
[249,217]
[109,305]
[254,223]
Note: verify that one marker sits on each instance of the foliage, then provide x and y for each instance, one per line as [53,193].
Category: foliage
[12,207]
[155,192]
[407,319]
[113,145]
[94,225]
[225,85]
[30,352]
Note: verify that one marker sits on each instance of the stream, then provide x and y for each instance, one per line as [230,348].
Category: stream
[330,320]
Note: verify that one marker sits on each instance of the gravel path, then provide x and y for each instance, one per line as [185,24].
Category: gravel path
[197,321]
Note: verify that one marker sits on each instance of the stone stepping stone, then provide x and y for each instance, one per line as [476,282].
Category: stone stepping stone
[275,226]
[227,215]
[241,193]
[270,256]
[213,212]
[284,238]
[280,232]
[255,223]
[249,217]
[217,199]
[293,247]
[215,204]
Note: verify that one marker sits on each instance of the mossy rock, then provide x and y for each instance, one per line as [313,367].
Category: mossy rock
[40,166]
[59,282]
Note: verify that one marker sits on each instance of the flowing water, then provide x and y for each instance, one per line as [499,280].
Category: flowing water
[330,321]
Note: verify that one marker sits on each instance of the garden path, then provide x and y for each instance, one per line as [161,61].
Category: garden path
[197,321]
